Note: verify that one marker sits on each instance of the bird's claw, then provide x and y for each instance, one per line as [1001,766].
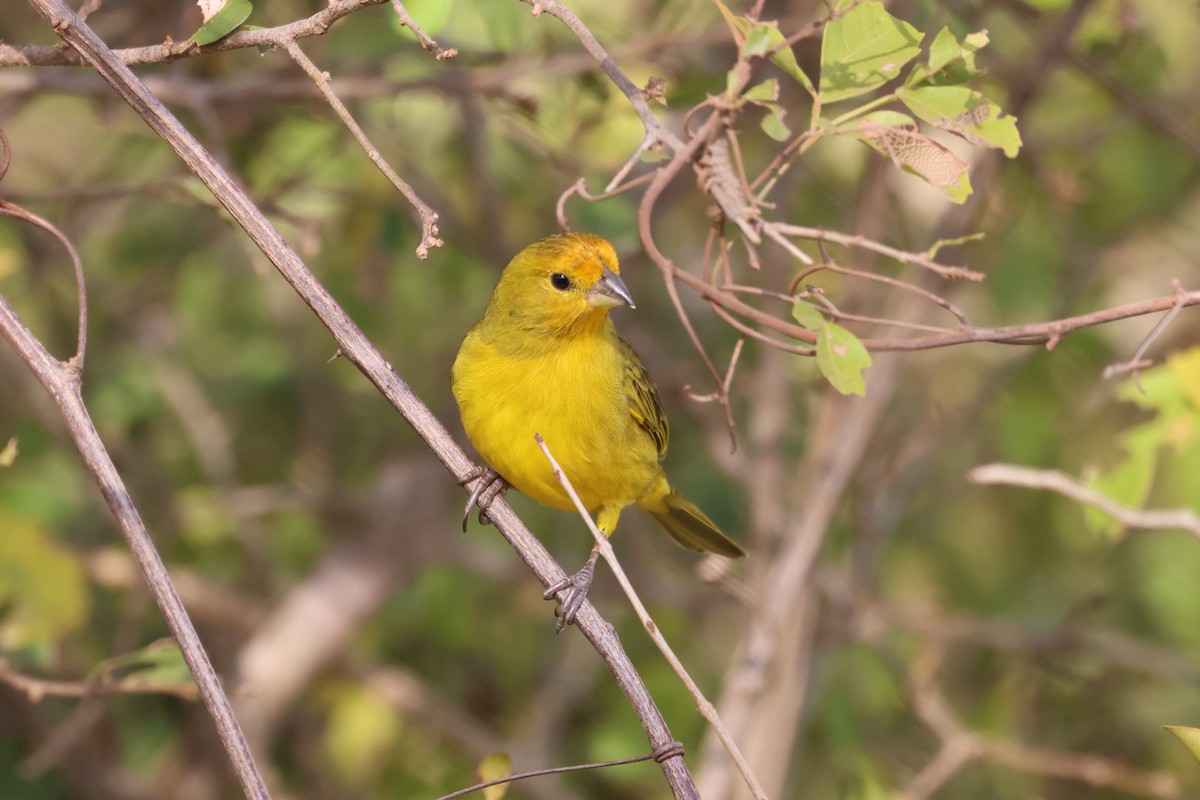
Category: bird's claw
[488,486]
[575,588]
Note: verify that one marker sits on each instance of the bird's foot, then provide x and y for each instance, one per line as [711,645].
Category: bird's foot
[574,588]
[488,486]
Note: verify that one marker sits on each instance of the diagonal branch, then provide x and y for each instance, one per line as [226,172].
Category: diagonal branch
[707,709]
[429,217]
[1183,519]
[358,350]
[61,382]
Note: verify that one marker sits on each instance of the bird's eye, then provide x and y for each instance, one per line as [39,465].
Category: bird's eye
[560,281]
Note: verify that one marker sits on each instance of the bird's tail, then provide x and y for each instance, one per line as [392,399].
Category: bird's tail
[691,527]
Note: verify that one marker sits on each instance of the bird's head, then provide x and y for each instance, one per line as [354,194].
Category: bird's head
[562,284]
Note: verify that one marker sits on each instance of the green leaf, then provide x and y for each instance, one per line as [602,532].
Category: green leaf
[773,124]
[737,25]
[897,137]
[785,58]
[807,315]
[1189,736]
[863,50]
[965,113]
[945,48]
[223,23]
[842,358]
[758,41]
[491,768]
[765,92]
[1173,423]
[950,61]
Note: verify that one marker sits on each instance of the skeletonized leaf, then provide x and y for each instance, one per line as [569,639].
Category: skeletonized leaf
[897,137]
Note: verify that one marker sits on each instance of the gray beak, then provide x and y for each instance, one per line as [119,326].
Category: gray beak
[609,291]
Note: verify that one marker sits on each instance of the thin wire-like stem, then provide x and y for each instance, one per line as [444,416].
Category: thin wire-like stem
[537,773]
[707,709]
[1136,362]
[406,19]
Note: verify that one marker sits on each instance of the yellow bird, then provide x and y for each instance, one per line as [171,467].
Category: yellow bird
[545,358]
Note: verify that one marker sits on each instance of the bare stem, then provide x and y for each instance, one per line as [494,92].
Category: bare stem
[1183,519]
[429,217]
[707,709]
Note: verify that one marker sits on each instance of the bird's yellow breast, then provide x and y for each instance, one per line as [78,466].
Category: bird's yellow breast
[570,391]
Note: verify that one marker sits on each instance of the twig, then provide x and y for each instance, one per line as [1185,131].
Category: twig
[36,689]
[1011,475]
[11,209]
[429,217]
[902,285]
[636,97]
[439,52]
[1137,362]
[549,771]
[707,709]
[360,352]
[961,746]
[852,240]
[315,25]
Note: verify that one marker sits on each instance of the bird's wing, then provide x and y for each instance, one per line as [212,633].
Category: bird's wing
[644,404]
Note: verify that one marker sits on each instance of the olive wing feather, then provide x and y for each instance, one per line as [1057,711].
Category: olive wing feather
[644,404]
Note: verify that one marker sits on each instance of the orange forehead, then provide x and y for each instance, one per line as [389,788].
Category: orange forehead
[583,256]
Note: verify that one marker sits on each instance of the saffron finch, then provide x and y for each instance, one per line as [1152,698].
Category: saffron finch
[545,358]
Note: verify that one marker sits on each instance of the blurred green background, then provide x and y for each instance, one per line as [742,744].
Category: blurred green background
[372,649]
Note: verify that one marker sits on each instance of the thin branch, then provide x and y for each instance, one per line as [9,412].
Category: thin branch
[902,285]
[75,362]
[706,708]
[1183,519]
[537,773]
[429,217]
[440,53]
[11,209]
[316,25]
[636,96]
[961,746]
[1136,361]
[852,240]
[36,689]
